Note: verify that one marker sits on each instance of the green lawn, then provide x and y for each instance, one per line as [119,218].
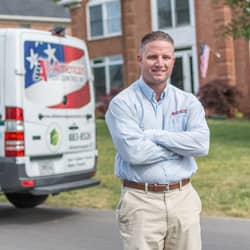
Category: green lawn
[222,180]
[223,176]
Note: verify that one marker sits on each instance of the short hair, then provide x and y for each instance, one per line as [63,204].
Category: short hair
[156,36]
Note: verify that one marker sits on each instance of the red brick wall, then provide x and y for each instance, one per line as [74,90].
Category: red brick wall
[136,22]
[78,18]
[105,47]
[242,57]
[233,65]
[210,20]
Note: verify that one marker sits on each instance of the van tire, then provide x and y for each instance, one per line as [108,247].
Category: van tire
[25,200]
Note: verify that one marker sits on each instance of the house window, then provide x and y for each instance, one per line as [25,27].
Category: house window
[108,74]
[104,18]
[173,13]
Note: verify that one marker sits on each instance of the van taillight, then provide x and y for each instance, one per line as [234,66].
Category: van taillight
[14,113]
[14,132]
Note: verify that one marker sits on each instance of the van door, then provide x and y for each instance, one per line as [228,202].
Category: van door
[44,128]
[58,103]
[78,103]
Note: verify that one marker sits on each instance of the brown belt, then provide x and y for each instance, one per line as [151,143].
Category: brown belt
[156,187]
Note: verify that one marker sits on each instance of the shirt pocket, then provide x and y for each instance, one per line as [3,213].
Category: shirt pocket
[177,123]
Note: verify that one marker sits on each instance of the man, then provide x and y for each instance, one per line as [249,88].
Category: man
[157,130]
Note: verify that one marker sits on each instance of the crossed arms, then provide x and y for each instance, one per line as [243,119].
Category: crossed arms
[140,147]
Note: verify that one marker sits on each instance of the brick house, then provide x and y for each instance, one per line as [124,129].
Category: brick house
[113,29]
[36,14]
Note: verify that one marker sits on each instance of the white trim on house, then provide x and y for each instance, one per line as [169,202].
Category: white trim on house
[105,63]
[105,35]
[34,19]
[69,3]
[184,36]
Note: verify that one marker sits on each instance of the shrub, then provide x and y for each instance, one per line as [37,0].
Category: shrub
[103,102]
[219,98]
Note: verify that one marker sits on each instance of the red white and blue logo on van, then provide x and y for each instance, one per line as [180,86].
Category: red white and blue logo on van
[55,75]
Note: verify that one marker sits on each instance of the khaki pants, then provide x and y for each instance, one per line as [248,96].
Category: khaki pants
[160,221]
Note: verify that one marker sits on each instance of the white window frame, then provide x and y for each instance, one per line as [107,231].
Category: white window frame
[104,12]
[184,55]
[107,62]
[154,10]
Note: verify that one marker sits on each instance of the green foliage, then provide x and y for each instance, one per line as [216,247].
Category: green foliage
[239,26]
[219,98]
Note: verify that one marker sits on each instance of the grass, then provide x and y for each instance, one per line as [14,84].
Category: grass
[222,179]
[223,176]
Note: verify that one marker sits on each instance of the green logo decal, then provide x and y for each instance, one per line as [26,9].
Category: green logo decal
[54,137]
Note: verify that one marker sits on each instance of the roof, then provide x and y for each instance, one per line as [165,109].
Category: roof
[37,8]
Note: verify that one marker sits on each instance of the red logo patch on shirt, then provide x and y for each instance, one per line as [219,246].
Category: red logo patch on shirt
[179,111]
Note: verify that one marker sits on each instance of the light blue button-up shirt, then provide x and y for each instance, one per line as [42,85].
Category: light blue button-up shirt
[156,141]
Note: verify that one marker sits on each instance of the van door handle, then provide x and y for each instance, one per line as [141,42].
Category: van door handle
[65,100]
[74,127]
[88,116]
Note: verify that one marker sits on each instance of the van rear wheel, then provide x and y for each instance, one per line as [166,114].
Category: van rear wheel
[25,200]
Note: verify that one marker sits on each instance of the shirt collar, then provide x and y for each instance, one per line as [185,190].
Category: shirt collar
[149,93]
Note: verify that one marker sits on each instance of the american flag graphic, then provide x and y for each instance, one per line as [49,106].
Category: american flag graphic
[55,72]
[204,59]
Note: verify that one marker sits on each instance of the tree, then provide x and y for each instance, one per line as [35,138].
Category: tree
[240,23]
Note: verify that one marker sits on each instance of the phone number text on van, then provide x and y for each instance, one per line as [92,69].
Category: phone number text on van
[83,136]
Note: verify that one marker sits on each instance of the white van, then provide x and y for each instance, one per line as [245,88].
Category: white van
[47,119]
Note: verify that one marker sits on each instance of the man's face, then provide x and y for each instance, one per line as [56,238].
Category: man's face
[156,60]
